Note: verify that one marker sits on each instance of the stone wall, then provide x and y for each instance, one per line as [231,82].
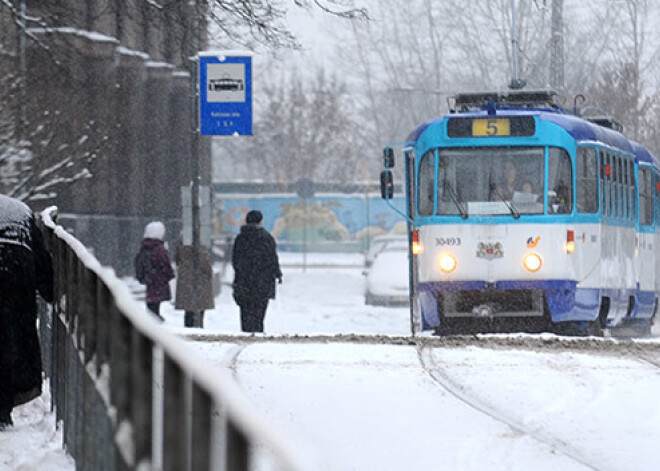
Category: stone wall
[116,72]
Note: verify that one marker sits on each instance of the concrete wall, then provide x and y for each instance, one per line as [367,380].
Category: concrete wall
[119,75]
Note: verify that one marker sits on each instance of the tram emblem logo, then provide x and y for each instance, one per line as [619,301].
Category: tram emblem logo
[489,250]
[532,242]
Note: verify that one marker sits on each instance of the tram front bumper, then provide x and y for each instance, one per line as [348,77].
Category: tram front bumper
[557,299]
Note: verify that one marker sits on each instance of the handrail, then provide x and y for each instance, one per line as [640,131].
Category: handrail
[131,394]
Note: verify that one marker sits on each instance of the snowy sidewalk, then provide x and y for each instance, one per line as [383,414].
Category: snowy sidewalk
[33,443]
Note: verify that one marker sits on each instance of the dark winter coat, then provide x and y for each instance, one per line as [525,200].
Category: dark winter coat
[153,268]
[25,269]
[256,265]
[185,281]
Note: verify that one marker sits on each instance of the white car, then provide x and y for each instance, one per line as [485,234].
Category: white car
[387,280]
[378,243]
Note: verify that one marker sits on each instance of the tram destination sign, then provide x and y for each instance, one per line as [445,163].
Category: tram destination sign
[491,126]
[225,93]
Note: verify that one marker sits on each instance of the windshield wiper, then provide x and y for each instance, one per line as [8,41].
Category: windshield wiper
[512,208]
[454,198]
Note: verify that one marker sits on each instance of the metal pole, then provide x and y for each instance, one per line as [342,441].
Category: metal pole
[557,50]
[23,67]
[194,154]
[514,42]
[304,235]
[21,131]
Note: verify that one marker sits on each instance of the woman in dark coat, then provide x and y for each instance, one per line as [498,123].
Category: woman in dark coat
[153,267]
[25,268]
[256,267]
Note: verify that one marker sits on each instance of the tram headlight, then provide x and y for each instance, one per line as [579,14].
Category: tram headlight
[447,262]
[532,262]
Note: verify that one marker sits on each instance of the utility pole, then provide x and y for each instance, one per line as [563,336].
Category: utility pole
[516,82]
[21,128]
[557,46]
[194,162]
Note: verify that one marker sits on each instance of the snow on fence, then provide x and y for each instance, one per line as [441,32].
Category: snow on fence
[132,395]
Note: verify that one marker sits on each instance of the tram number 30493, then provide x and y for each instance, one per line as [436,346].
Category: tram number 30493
[450,241]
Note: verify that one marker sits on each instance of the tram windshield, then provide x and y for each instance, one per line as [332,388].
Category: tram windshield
[490,181]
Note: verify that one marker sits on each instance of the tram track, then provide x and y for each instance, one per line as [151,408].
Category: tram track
[444,380]
[644,356]
[535,342]
[429,351]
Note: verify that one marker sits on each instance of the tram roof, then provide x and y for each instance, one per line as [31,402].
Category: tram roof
[642,154]
[579,128]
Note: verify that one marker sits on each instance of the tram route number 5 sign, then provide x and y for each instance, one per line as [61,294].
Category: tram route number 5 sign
[225,93]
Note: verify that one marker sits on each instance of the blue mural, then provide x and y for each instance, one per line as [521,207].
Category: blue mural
[320,219]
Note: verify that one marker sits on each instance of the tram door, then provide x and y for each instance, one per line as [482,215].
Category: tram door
[415,314]
[645,242]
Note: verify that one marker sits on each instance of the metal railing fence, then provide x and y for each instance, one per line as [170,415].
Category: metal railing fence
[130,394]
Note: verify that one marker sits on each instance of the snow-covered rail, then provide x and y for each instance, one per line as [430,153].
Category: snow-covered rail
[130,394]
[443,378]
[520,341]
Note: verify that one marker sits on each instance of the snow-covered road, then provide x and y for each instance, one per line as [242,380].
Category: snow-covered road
[392,407]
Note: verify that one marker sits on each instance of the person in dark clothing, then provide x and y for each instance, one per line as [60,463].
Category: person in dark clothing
[153,267]
[193,294]
[256,267]
[25,269]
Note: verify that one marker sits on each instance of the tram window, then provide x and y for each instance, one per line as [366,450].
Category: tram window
[622,188]
[614,199]
[609,182]
[560,182]
[645,197]
[587,180]
[426,185]
[450,175]
[409,159]
[631,189]
[604,198]
[487,181]
[656,195]
[619,186]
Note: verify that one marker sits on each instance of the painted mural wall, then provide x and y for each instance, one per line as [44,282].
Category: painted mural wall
[323,222]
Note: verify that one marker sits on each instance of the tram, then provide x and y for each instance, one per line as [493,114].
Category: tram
[523,216]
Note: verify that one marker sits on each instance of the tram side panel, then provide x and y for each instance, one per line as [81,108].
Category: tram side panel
[617,270]
[647,274]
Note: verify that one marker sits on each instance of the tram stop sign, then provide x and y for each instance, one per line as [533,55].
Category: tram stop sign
[225,93]
[305,188]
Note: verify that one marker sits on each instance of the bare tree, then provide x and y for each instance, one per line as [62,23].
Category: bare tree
[305,130]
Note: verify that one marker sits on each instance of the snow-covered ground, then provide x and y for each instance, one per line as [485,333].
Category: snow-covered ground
[389,404]
[329,299]
[33,443]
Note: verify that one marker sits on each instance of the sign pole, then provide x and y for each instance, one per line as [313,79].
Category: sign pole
[224,108]
[194,152]
[304,235]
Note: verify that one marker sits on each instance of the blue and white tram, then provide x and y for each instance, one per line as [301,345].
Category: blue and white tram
[525,217]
